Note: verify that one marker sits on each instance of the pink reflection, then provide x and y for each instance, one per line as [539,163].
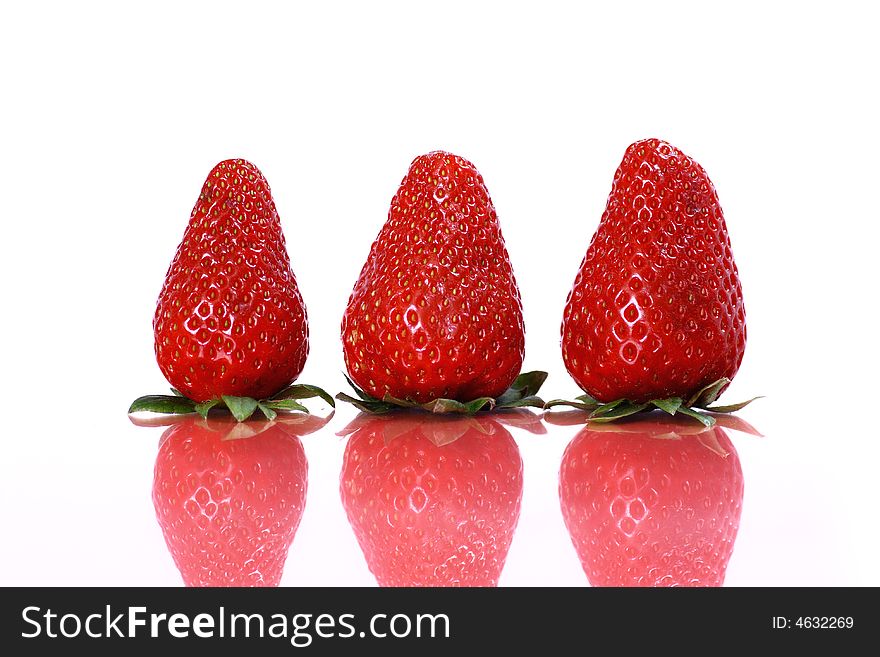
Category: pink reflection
[652,502]
[229,496]
[433,501]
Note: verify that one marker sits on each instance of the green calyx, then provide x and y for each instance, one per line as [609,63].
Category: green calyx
[522,392]
[241,408]
[698,406]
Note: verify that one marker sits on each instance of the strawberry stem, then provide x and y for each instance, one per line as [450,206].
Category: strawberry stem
[241,408]
[696,407]
[521,393]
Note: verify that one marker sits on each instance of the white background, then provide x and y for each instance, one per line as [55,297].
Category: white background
[111,117]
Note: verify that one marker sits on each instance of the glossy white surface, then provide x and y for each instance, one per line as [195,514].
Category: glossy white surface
[111,120]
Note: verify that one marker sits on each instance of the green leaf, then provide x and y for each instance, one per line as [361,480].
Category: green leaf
[240,407]
[731,408]
[565,402]
[284,405]
[445,406]
[521,393]
[366,405]
[707,420]
[582,402]
[441,405]
[203,407]
[607,408]
[304,391]
[707,394]
[400,403]
[360,393]
[162,404]
[670,404]
[268,412]
[622,408]
[177,393]
[530,382]
[476,405]
[525,385]
[532,400]
[449,405]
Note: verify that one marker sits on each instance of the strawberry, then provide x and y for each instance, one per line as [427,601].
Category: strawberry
[230,319]
[436,311]
[229,497]
[432,500]
[656,310]
[652,503]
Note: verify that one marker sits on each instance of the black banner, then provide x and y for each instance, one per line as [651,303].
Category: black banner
[343,620]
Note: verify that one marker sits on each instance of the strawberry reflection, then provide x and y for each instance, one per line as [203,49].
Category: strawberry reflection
[434,500]
[652,502]
[229,496]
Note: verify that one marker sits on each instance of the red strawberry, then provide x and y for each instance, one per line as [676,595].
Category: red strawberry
[656,310]
[229,497]
[230,319]
[433,501]
[652,503]
[436,311]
